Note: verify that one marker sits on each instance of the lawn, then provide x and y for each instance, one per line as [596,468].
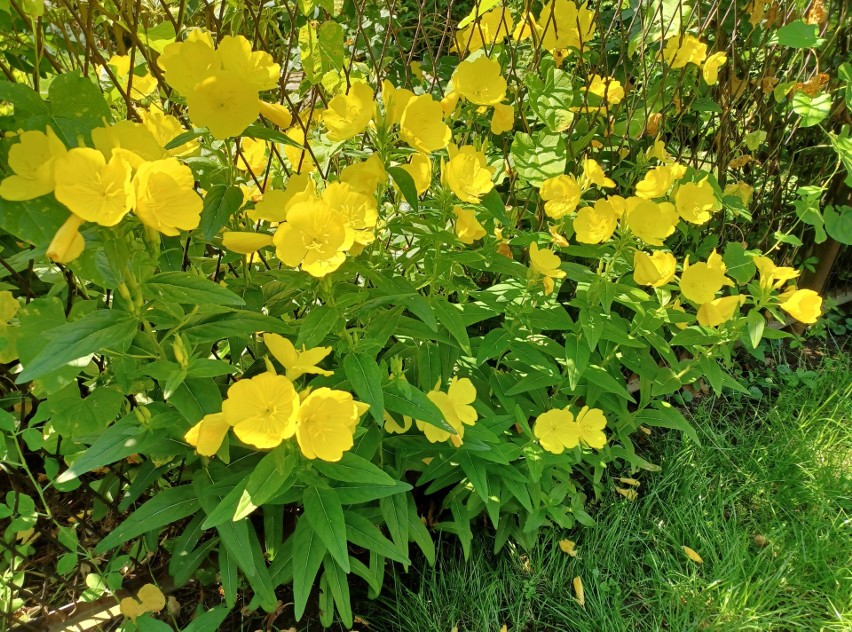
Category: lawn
[764,500]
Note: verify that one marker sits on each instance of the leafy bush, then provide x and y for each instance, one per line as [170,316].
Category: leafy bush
[297,300]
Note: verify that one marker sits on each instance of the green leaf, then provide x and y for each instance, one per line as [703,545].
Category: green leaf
[496,342]
[356,493]
[362,532]
[324,513]
[116,443]
[220,203]
[195,398]
[418,533]
[105,329]
[185,137]
[756,324]
[405,183]
[577,354]
[450,317]
[395,514]
[265,481]
[739,262]
[366,379]
[188,289]
[664,415]
[308,551]
[539,157]
[336,579]
[316,326]
[405,399]
[267,133]
[838,223]
[77,106]
[34,221]
[321,49]
[813,110]
[798,34]
[354,469]
[169,505]
[210,620]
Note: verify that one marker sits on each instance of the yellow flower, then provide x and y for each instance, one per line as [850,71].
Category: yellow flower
[480,81]
[151,599]
[594,225]
[252,156]
[142,86]
[658,181]
[655,270]
[686,49]
[593,174]
[422,125]
[358,208]
[546,263]
[488,28]
[349,114]
[557,430]
[208,434]
[468,228]
[326,423]
[133,141]
[524,29]
[257,68]
[710,71]
[700,282]
[619,205]
[561,196]
[502,119]
[165,197]
[245,243]
[67,244]
[455,406]
[275,203]
[564,25]
[608,89]
[419,167]
[314,236]
[393,427]
[696,202]
[366,175]
[277,113]
[468,175]
[92,188]
[262,410]
[719,310]
[300,159]
[187,63]
[33,161]
[658,151]
[742,190]
[772,276]
[568,547]
[296,363]
[692,555]
[649,221]
[578,590]
[165,127]
[395,100]
[803,305]
[448,103]
[224,103]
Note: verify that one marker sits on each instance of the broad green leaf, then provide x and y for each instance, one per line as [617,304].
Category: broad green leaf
[321,49]
[813,110]
[405,183]
[197,397]
[189,289]
[97,332]
[405,399]
[739,262]
[838,223]
[756,325]
[362,532]
[34,221]
[116,443]
[169,505]
[798,34]
[220,203]
[324,513]
[308,551]
[664,415]
[366,379]
[77,106]
[539,157]
[354,469]
[265,481]
[316,326]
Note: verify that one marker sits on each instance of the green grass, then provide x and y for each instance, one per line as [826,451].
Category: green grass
[779,470]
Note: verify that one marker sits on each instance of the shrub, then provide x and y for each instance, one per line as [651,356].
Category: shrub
[296,322]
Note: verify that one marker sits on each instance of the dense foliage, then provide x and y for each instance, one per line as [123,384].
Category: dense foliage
[294,288]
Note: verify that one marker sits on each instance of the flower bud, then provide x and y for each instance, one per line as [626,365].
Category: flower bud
[67,243]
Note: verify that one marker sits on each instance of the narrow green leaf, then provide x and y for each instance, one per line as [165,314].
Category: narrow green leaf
[220,203]
[189,289]
[361,532]
[364,375]
[316,326]
[325,515]
[450,317]
[339,585]
[405,399]
[354,469]
[308,551]
[405,183]
[265,481]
